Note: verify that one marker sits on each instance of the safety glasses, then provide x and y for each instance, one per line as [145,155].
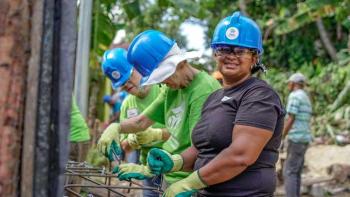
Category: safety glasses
[233,50]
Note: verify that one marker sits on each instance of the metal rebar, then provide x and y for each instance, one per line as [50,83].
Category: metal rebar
[87,174]
[109,178]
[114,187]
[72,192]
[97,183]
[88,171]
[100,175]
[130,184]
[83,168]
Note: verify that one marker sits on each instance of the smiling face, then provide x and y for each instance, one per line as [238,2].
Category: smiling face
[235,63]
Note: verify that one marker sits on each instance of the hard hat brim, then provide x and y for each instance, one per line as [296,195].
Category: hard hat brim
[168,66]
[117,84]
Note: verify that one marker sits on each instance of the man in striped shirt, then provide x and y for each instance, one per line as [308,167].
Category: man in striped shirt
[297,130]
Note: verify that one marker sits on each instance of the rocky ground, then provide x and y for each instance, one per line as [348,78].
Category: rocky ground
[326,171]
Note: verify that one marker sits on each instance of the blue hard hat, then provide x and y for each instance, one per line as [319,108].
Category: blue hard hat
[122,95]
[148,49]
[107,98]
[238,30]
[116,66]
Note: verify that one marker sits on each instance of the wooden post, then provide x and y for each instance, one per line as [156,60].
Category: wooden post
[14,55]
[48,97]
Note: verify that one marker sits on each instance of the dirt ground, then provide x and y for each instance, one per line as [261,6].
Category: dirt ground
[318,159]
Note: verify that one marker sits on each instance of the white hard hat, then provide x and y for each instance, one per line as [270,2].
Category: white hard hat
[297,78]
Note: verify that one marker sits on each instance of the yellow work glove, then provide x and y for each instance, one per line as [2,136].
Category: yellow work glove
[108,144]
[150,136]
[185,187]
[133,142]
[130,171]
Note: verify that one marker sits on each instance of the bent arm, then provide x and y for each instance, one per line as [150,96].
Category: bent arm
[288,124]
[247,144]
[189,156]
[135,124]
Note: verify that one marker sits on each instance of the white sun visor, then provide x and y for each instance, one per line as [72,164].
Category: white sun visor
[168,66]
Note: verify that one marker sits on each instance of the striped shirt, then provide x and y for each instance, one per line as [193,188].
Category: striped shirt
[300,106]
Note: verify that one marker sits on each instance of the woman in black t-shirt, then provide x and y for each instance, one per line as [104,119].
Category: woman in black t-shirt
[235,143]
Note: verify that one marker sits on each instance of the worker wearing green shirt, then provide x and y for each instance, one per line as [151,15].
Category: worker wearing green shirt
[79,140]
[116,67]
[159,60]
[134,105]
[79,134]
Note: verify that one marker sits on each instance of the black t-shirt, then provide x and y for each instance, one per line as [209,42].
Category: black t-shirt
[252,103]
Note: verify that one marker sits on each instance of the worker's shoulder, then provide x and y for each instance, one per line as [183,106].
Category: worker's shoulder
[258,86]
[206,82]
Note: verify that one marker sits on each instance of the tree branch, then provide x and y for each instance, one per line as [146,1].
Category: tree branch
[243,7]
[349,41]
[326,40]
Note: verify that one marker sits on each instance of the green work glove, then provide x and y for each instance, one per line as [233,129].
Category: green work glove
[130,171]
[150,136]
[160,161]
[185,187]
[133,142]
[108,144]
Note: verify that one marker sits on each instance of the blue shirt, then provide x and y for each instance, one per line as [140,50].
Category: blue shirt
[300,106]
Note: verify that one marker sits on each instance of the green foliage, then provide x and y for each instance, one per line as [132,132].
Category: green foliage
[131,8]
[291,40]
[324,85]
[308,11]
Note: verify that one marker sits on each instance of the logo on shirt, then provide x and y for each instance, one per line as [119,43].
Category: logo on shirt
[130,113]
[172,143]
[225,98]
[176,117]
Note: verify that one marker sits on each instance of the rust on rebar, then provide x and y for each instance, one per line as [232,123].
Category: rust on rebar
[85,171]
[97,183]
[112,187]
[73,192]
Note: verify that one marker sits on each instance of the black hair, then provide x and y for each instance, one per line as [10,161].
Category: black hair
[258,66]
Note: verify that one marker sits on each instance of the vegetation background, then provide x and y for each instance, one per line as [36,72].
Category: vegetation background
[311,36]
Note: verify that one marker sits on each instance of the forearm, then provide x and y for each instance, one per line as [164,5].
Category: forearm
[114,118]
[189,157]
[288,125]
[136,124]
[223,167]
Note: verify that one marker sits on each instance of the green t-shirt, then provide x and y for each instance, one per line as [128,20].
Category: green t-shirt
[79,131]
[133,106]
[180,110]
